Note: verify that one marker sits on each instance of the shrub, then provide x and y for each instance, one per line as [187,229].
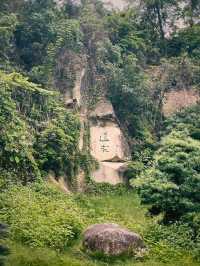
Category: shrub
[105,188]
[172,185]
[24,256]
[37,132]
[186,40]
[195,134]
[57,146]
[40,216]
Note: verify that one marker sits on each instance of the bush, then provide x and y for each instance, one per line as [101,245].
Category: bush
[24,256]
[37,133]
[134,169]
[186,40]
[57,146]
[195,134]
[4,251]
[105,188]
[178,235]
[172,185]
[40,216]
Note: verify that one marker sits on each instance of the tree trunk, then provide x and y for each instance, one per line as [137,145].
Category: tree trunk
[191,21]
[160,22]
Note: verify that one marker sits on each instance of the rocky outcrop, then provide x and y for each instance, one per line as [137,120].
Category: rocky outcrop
[110,172]
[115,4]
[107,144]
[60,182]
[72,96]
[103,112]
[175,100]
[112,240]
[60,3]
[120,4]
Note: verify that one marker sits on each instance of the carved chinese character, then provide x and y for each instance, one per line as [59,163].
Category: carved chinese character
[104,148]
[104,138]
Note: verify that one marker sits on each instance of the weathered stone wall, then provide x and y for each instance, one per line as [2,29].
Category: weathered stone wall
[107,144]
[176,100]
[72,95]
[109,172]
[116,4]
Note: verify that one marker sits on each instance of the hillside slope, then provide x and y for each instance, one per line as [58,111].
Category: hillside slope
[99,122]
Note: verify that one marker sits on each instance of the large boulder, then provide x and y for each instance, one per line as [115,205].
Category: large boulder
[112,240]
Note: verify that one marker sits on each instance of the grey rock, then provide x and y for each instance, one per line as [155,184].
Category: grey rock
[112,240]
[103,111]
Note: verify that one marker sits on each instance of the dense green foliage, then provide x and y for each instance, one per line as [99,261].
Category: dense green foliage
[132,57]
[167,245]
[186,40]
[40,216]
[35,129]
[171,186]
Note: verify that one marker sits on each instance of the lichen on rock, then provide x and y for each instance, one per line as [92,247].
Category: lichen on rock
[112,240]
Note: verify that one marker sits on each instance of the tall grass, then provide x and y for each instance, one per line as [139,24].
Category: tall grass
[125,210]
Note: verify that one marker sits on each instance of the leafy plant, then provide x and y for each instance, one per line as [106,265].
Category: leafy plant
[40,216]
[172,185]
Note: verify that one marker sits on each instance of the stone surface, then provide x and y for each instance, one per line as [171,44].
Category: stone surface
[60,183]
[119,4]
[178,99]
[112,240]
[103,111]
[108,143]
[109,172]
[77,88]
[60,3]
[72,97]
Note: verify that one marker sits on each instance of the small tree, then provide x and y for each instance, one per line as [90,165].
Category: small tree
[154,20]
[172,185]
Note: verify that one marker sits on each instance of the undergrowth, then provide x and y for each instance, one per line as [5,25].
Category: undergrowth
[166,245]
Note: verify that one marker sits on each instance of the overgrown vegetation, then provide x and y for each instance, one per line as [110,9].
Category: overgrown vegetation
[40,216]
[167,245]
[171,186]
[132,57]
[37,133]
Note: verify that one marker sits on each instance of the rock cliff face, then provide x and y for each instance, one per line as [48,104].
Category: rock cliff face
[116,4]
[73,97]
[107,143]
[175,100]
[110,4]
